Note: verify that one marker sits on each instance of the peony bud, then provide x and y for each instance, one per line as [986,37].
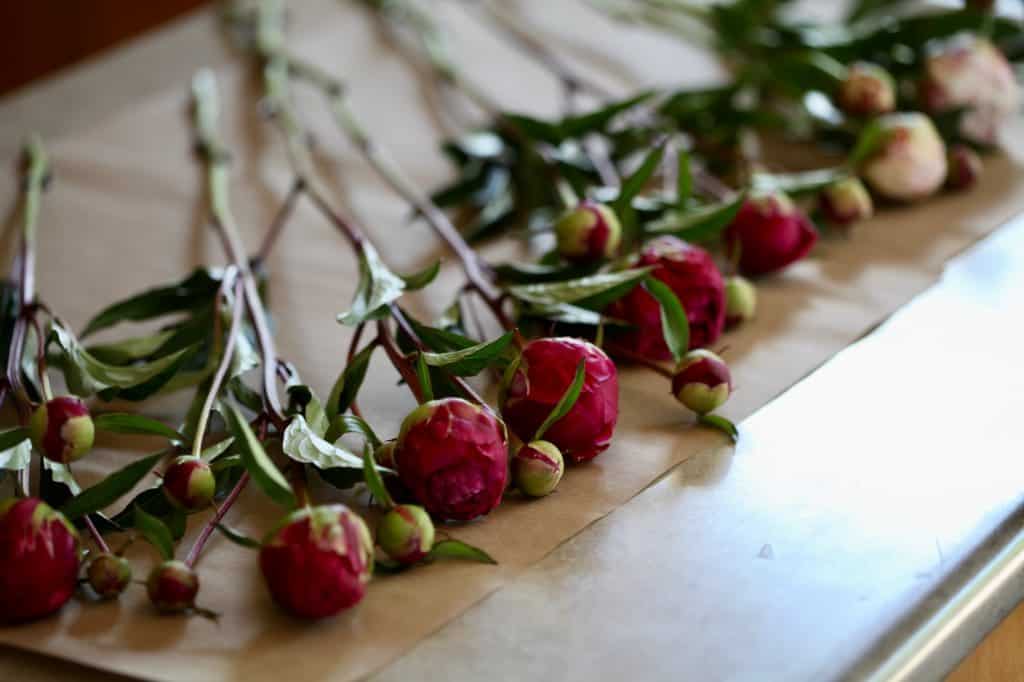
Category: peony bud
[867,90]
[108,575]
[453,457]
[969,72]
[965,166]
[702,381]
[537,468]
[691,273]
[769,234]
[910,161]
[845,202]
[589,233]
[318,561]
[385,455]
[189,484]
[38,560]
[406,534]
[62,429]
[172,587]
[740,300]
[546,369]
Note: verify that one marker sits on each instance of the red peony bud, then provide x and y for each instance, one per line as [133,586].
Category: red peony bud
[965,167]
[172,587]
[453,458]
[589,233]
[846,202]
[769,234]
[545,372]
[537,468]
[740,300]
[62,429]
[910,162]
[406,534]
[867,90]
[108,575]
[318,562]
[189,484]
[38,560]
[969,72]
[702,381]
[692,274]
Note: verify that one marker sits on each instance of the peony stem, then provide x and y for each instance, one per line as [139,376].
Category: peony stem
[353,347]
[96,536]
[401,363]
[280,220]
[204,535]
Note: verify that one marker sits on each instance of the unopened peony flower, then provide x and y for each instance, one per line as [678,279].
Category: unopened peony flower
[406,534]
[62,429]
[537,468]
[867,90]
[702,381]
[910,161]
[846,202]
[769,234]
[692,275]
[318,562]
[108,575]
[545,372]
[453,457]
[38,560]
[189,484]
[965,167]
[970,72]
[589,233]
[172,587]
[740,300]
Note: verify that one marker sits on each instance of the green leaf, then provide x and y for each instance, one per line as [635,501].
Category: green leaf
[349,423]
[567,313]
[86,375]
[470,361]
[216,450]
[118,422]
[259,465]
[15,449]
[421,279]
[597,121]
[674,325]
[155,532]
[529,273]
[348,384]
[373,479]
[455,549]
[200,286]
[566,402]
[423,378]
[576,290]
[684,178]
[240,539]
[111,488]
[699,225]
[871,139]
[378,287]
[132,349]
[720,424]
[795,184]
[634,184]
[302,444]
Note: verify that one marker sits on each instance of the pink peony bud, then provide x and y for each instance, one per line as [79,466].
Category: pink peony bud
[172,587]
[845,202]
[545,372]
[406,534]
[867,90]
[769,234]
[692,274]
[453,457]
[910,162]
[589,233]
[969,72]
[189,484]
[38,560]
[965,167]
[318,562]
[62,429]
[702,381]
[108,575]
[740,300]
[537,468]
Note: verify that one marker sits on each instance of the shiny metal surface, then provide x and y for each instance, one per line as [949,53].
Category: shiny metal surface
[867,527]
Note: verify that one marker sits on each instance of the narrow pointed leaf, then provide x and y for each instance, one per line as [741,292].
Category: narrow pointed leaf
[111,488]
[240,539]
[674,325]
[118,422]
[566,402]
[576,290]
[373,479]
[470,361]
[423,377]
[421,279]
[256,460]
[348,384]
[456,549]
[155,532]
[722,424]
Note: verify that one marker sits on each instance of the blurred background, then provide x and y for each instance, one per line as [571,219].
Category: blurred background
[41,36]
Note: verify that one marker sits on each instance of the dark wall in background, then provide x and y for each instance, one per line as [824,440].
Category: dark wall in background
[38,37]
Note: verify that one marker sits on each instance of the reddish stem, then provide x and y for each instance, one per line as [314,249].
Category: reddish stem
[97,538]
[400,362]
[280,220]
